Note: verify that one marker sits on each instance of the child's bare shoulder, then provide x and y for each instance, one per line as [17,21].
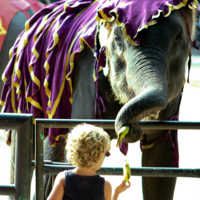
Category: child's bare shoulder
[107,183]
[60,178]
[107,190]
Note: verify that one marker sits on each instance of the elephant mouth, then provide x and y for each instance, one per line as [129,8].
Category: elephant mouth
[135,131]
[153,116]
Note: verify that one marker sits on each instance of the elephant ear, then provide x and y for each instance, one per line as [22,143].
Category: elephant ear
[105,29]
[101,49]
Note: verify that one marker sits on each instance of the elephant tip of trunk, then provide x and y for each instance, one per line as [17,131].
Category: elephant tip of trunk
[131,134]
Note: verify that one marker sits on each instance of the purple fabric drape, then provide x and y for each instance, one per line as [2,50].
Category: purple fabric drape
[39,74]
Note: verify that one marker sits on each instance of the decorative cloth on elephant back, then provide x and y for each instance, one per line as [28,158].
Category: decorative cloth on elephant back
[38,78]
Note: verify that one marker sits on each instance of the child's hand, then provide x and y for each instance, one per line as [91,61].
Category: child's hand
[122,187]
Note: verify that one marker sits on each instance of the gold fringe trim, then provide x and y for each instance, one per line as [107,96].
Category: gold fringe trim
[195,2]
[148,146]
[53,145]
[108,19]
[41,28]
[11,52]
[46,64]
[34,51]
[55,36]
[27,25]
[57,139]
[25,91]
[8,143]
[2,103]
[65,6]
[62,86]
[4,79]
[34,103]
[13,90]
[33,77]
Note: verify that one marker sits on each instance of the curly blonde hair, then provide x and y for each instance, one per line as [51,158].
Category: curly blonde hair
[84,144]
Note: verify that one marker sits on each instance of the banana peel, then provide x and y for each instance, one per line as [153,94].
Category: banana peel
[126,172]
[122,133]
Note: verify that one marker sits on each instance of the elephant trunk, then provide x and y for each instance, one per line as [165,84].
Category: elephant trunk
[149,79]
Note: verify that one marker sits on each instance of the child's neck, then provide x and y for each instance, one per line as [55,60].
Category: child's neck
[85,171]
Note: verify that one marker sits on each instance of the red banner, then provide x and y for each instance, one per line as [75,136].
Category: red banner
[10,8]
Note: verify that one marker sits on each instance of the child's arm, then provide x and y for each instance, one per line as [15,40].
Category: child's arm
[107,190]
[57,192]
[119,189]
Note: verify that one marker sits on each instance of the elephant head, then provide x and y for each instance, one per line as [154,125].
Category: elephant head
[147,79]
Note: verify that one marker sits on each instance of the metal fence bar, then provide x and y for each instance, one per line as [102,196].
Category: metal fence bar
[39,137]
[7,190]
[109,124]
[49,162]
[49,168]
[23,124]
[136,171]
[53,168]
[23,160]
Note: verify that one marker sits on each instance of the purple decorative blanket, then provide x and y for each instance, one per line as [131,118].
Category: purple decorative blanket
[38,78]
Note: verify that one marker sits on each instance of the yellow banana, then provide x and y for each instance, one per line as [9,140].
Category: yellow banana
[126,172]
[122,133]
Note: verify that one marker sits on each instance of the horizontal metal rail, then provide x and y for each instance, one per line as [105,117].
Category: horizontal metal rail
[109,124]
[49,162]
[12,121]
[7,190]
[56,167]
[136,171]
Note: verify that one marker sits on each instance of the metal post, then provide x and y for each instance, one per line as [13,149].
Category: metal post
[23,160]
[39,137]
[23,123]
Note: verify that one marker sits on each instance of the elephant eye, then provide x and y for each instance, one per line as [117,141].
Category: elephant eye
[179,44]
[118,41]
[180,37]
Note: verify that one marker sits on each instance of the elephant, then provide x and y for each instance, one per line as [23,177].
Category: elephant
[116,70]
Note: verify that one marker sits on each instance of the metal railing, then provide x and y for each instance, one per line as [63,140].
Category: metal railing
[23,124]
[54,168]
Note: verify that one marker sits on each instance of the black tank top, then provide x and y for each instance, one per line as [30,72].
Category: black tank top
[79,187]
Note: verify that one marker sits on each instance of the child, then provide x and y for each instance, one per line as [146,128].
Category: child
[86,148]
